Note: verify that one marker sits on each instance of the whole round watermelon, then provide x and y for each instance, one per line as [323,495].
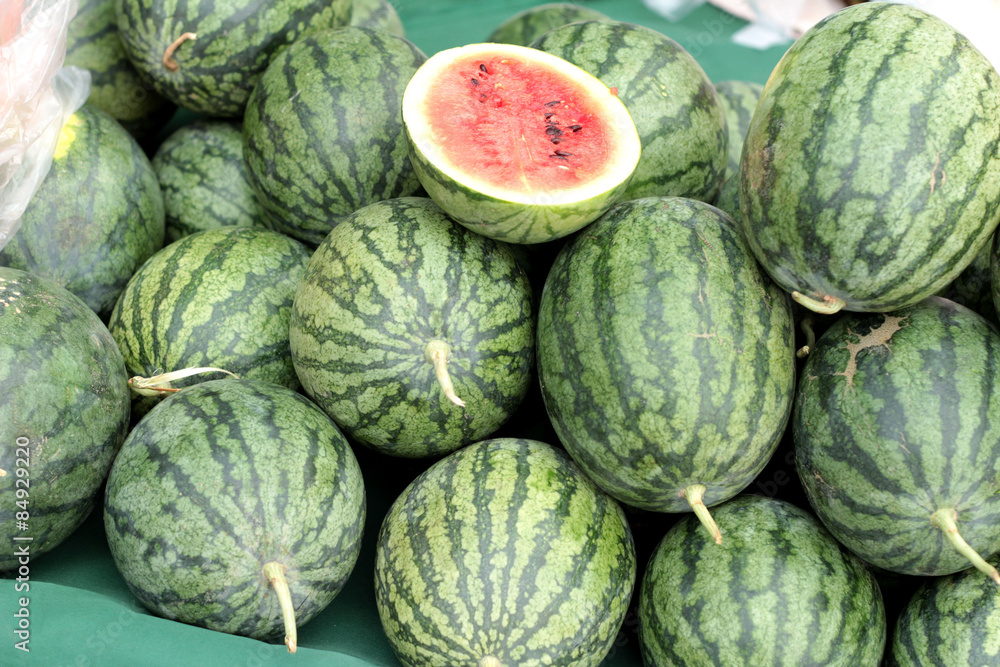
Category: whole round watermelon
[503,553]
[64,412]
[778,591]
[204,179]
[321,141]
[950,620]
[92,42]
[232,504]
[209,57]
[871,168]
[415,334]
[97,215]
[666,359]
[897,437]
[222,299]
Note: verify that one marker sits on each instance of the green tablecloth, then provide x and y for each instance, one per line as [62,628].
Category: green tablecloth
[82,613]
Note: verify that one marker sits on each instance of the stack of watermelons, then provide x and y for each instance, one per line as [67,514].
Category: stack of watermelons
[577,309]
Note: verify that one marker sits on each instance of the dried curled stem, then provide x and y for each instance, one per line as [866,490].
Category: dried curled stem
[168,55]
[159,384]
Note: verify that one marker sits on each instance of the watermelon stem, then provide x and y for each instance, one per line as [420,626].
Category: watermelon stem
[489,661]
[274,572]
[437,352]
[825,305]
[944,520]
[168,55]
[159,384]
[695,494]
[807,329]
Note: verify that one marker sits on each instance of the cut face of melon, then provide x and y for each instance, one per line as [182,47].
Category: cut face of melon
[517,144]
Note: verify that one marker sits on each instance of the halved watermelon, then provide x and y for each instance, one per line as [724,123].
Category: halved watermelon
[515,143]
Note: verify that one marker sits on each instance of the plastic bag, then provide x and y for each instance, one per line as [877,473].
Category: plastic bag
[774,23]
[771,22]
[673,10]
[37,95]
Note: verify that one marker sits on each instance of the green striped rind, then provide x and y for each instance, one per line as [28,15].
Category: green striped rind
[665,356]
[92,42]
[236,40]
[322,141]
[378,14]
[525,27]
[204,179]
[386,282]
[739,99]
[96,217]
[503,549]
[952,620]
[871,169]
[778,591]
[219,298]
[681,122]
[63,397]
[507,221]
[221,479]
[909,427]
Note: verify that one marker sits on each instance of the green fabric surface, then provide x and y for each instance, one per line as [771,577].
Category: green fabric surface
[80,610]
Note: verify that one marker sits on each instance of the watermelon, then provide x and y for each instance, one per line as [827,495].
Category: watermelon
[378,14]
[97,216]
[415,334]
[677,112]
[666,358]
[92,42]
[64,413]
[973,286]
[204,179]
[221,298]
[871,168]
[237,506]
[207,57]
[503,553]
[950,620]
[517,144]
[739,99]
[321,142]
[525,27]
[897,434]
[779,591]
